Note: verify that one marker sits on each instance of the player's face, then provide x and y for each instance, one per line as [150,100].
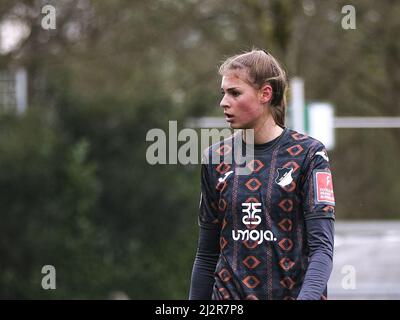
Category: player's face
[241,102]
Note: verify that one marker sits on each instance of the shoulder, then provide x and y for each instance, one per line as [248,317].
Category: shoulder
[303,142]
[308,150]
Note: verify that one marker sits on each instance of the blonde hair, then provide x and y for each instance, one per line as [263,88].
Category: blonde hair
[261,68]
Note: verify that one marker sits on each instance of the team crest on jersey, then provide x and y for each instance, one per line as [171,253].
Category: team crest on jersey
[284,177]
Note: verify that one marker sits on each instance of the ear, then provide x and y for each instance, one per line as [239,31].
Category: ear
[265,93]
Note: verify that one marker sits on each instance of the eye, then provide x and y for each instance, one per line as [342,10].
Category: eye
[235,93]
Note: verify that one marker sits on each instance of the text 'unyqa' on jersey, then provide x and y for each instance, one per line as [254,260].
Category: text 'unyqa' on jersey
[261,216]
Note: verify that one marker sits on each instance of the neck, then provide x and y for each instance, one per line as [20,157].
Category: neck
[265,133]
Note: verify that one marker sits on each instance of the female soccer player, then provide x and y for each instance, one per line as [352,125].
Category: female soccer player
[268,234]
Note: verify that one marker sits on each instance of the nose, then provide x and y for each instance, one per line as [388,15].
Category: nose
[224,102]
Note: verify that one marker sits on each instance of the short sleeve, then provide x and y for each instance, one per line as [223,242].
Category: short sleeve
[208,212]
[317,187]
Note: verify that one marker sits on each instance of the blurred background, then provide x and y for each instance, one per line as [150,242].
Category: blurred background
[76,103]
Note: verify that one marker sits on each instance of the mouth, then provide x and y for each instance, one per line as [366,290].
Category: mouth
[228,117]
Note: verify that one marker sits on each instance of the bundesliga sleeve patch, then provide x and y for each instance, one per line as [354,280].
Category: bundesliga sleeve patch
[323,187]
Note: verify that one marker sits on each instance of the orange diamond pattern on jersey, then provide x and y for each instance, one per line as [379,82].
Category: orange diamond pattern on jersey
[224,223]
[221,186]
[286,205]
[252,199]
[253,184]
[255,165]
[225,275]
[286,264]
[287,283]
[286,244]
[251,282]
[298,136]
[222,205]
[222,243]
[251,262]
[285,224]
[223,168]
[295,150]
[225,294]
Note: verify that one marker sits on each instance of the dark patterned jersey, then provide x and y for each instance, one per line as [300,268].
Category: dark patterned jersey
[261,216]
